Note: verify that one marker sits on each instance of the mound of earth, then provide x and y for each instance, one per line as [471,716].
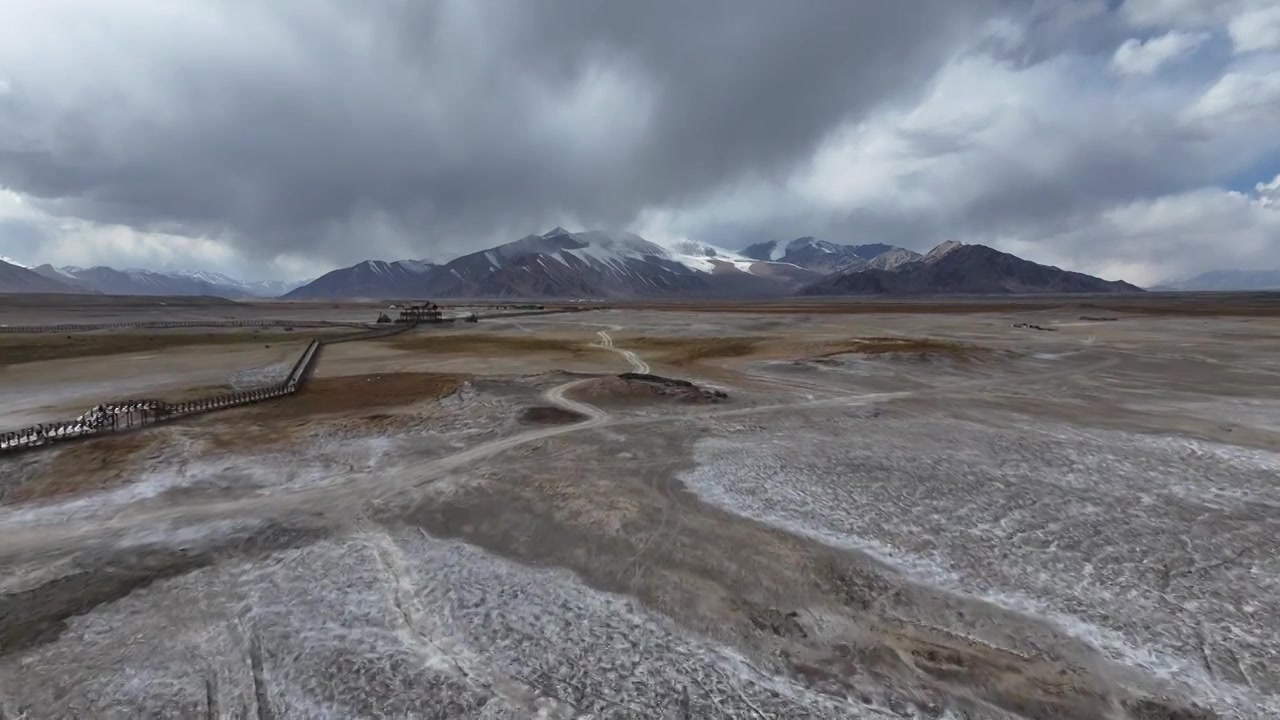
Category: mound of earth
[548,415]
[642,386]
[836,354]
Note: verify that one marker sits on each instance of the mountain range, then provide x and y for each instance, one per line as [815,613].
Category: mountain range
[15,277]
[827,257]
[955,269]
[600,265]
[1226,281]
[562,264]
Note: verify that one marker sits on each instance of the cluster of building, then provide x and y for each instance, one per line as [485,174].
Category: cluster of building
[425,313]
[415,314]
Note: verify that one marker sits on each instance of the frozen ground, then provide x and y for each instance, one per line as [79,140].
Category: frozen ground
[1077,524]
[259,377]
[398,625]
[1161,552]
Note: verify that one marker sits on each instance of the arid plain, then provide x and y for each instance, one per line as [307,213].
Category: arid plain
[1057,508]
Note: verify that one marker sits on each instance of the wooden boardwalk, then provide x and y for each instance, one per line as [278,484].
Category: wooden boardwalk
[134,414]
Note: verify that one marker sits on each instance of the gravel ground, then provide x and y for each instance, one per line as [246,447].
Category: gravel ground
[1076,524]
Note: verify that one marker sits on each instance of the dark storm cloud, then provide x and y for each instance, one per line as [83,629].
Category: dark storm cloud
[345,128]
[21,237]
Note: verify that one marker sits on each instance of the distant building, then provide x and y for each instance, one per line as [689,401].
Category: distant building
[425,313]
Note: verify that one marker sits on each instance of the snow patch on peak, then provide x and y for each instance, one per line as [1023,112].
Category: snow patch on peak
[809,241]
[206,276]
[417,266]
[624,241]
[613,254]
[770,250]
[942,250]
[697,248]
[138,272]
[893,259]
[59,271]
[374,265]
[11,261]
[705,257]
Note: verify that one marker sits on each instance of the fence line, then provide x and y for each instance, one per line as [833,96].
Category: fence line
[133,414]
[531,313]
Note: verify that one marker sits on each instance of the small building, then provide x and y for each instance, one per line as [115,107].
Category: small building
[425,313]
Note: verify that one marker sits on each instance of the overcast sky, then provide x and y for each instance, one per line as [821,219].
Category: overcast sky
[1136,139]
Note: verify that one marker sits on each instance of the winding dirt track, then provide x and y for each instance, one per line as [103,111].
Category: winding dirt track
[26,539]
[637,365]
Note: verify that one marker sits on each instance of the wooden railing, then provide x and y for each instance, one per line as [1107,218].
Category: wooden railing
[134,414]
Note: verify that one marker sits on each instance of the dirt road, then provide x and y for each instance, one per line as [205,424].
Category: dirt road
[637,365]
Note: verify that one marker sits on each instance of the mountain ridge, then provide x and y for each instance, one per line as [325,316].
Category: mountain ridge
[21,279]
[559,263]
[137,281]
[953,268]
[1225,281]
[601,265]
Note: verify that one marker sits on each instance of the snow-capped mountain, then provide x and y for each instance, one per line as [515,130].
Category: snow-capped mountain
[15,263]
[1226,281]
[250,288]
[138,281]
[272,288]
[205,276]
[371,278]
[953,268]
[705,257]
[63,275]
[596,264]
[893,259]
[562,264]
[21,279]
[942,250]
[818,255]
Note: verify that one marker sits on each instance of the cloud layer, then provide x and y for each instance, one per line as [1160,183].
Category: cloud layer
[284,138]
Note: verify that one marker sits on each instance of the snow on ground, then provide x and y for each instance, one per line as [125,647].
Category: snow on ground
[330,454]
[259,377]
[1258,413]
[403,625]
[1127,541]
